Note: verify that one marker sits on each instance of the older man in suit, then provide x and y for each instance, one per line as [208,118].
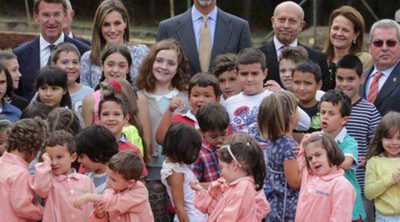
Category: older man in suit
[287,22]
[69,18]
[382,85]
[204,32]
[33,55]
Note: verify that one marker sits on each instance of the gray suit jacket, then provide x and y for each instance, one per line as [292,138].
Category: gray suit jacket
[231,35]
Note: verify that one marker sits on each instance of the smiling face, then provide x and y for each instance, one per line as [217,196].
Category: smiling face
[317,159]
[112,117]
[113,28]
[332,120]
[69,62]
[50,19]
[391,145]
[165,66]
[13,68]
[215,138]
[61,159]
[342,33]
[251,78]
[115,66]
[349,82]
[287,23]
[286,68]
[384,56]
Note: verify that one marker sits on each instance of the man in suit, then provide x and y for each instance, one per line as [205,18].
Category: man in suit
[287,22]
[226,33]
[33,55]
[382,85]
[69,18]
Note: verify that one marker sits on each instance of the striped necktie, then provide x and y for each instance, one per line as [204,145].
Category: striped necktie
[374,88]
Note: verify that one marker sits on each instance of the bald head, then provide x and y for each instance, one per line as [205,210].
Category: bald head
[293,6]
[287,21]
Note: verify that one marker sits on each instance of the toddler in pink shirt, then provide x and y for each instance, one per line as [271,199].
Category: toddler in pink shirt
[238,194]
[57,183]
[126,199]
[325,194]
[16,197]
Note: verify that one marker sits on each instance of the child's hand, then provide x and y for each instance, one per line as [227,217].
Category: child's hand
[46,158]
[396,176]
[362,161]
[79,202]
[175,103]
[215,188]
[273,86]
[195,185]
[99,211]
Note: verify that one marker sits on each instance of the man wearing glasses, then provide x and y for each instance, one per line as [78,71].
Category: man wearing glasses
[382,86]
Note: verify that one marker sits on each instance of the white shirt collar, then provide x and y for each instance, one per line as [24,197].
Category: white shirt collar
[385,72]
[123,139]
[70,35]
[342,134]
[278,44]
[44,44]
[196,14]
[169,95]
[191,116]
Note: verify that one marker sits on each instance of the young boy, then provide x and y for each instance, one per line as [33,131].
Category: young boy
[364,116]
[288,60]
[126,198]
[214,122]
[203,89]
[225,71]
[243,108]
[95,145]
[306,82]
[335,109]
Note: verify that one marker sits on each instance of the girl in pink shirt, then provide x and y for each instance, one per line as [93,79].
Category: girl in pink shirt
[16,197]
[325,194]
[57,183]
[238,194]
[126,199]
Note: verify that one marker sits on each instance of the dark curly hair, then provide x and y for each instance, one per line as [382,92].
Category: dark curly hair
[62,118]
[27,136]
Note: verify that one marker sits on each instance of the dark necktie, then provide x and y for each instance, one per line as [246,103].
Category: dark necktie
[51,47]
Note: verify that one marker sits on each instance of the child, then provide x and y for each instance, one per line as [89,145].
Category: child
[52,87]
[214,122]
[10,61]
[306,82]
[238,195]
[243,108]
[277,118]
[5,125]
[181,147]
[382,178]
[225,71]
[363,119]
[126,198]
[335,109]
[24,141]
[11,112]
[56,182]
[95,145]
[67,57]
[289,58]
[325,194]
[62,118]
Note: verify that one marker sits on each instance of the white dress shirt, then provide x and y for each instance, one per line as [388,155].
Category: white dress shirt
[197,18]
[45,50]
[279,46]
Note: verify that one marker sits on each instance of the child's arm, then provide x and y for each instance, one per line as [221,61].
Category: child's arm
[175,181]
[166,119]
[86,198]
[343,198]
[144,119]
[376,184]
[41,181]
[304,120]
[350,155]
[88,109]
[292,173]
[206,200]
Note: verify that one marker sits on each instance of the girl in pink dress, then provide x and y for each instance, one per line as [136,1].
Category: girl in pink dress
[16,197]
[238,194]
[325,194]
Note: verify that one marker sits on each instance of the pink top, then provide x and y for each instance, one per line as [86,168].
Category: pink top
[16,197]
[127,206]
[238,201]
[325,198]
[59,193]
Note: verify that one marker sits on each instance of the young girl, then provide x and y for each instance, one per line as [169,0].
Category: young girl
[126,198]
[62,118]
[11,112]
[238,195]
[382,177]
[56,182]
[52,87]
[67,57]
[277,118]
[181,148]
[25,139]
[325,193]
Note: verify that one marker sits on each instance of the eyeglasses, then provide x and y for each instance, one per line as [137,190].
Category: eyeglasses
[389,43]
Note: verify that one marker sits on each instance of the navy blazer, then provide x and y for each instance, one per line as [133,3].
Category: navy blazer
[268,48]
[388,98]
[85,41]
[29,64]
[232,34]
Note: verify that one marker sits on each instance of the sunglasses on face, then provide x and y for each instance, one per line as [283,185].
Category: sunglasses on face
[389,43]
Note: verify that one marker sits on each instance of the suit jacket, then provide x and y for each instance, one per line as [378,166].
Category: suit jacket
[82,40]
[389,95]
[231,35]
[273,65]
[29,64]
